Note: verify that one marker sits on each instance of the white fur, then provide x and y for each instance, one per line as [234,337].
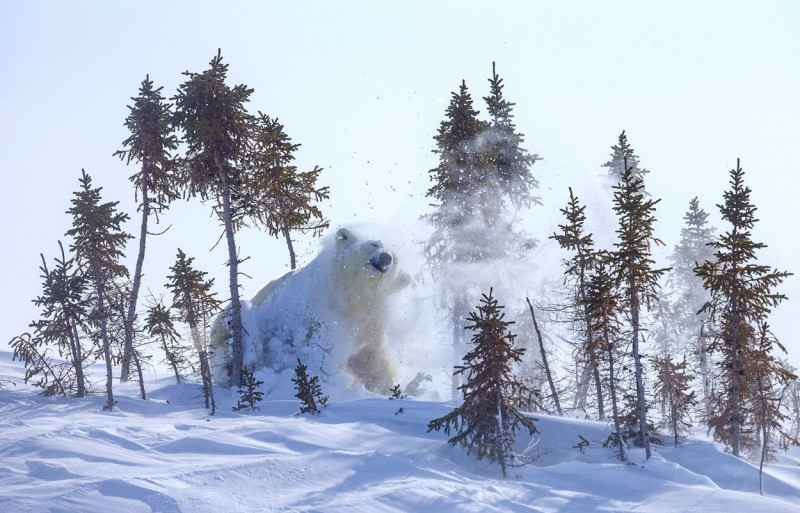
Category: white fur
[331,314]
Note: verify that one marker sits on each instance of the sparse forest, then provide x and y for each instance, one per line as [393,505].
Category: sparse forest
[653,348]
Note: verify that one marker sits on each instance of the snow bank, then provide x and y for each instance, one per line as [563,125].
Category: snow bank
[365,455]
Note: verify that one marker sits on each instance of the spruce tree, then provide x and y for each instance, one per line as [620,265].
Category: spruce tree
[487,421]
[603,306]
[510,163]
[483,171]
[159,326]
[770,378]
[217,131]
[686,289]
[673,389]
[118,299]
[150,144]
[64,308]
[622,158]
[635,272]
[742,296]
[249,394]
[278,196]
[455,181]
[196,305]
[308,389]
[577,268]
[53,377]
[98,245]
[452,245]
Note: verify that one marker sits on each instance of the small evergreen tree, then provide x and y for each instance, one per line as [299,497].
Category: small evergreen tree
[573,238]
[308,389]
[397,393]
[622,158]
[629,419]
[770,377]
[54,378]
[217,131]
[742,296]
[673,389]
[118,296]
[196,304]
[159,326]
[150,144]
[603,308]
[98,244]
[249,394]
[635,271]
[687,292]
[487,421]
[64,308]
[277,195]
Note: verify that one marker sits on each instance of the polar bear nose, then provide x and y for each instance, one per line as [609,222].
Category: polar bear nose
[381,262]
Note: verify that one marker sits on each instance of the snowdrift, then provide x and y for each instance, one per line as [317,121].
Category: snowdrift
[367,454]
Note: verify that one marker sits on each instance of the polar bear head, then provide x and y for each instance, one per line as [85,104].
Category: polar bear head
[364,269]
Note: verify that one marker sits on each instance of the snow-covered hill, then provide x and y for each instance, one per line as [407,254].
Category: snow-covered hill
[362,455]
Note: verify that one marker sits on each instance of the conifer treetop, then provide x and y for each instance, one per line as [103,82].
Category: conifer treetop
[192,295]
[98,238]
[573,237]
[623,157]
[151,142]
[636,215]
[278,196]
[216,126]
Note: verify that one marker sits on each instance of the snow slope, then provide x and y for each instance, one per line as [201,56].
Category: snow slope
[362,455]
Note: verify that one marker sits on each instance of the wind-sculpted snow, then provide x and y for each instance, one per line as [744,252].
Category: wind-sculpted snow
[363,455]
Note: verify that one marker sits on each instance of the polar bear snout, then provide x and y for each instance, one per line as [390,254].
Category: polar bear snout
[381,262]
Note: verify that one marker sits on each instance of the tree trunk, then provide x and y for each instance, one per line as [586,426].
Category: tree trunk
[599,386]
[544,361]
[623,456]
[459,315]
[641,404]
[205,368]
[673,407]
[589,341]
[582,377]
[106,342]
[735,408]
[292,258]
[703,357]
[140,374]
[233,263]
[127,353]
[171,359]
[79,377]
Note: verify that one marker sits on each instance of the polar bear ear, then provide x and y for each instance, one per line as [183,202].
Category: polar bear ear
[344,238]
[345,235]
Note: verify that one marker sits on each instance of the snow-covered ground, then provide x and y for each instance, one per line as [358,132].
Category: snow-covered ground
[361,455]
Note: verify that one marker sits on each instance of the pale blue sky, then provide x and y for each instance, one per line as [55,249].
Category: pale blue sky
[363,86]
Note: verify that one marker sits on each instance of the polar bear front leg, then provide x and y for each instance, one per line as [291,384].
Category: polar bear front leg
[372,367]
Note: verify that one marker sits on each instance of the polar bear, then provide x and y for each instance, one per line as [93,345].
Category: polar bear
[331,314]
